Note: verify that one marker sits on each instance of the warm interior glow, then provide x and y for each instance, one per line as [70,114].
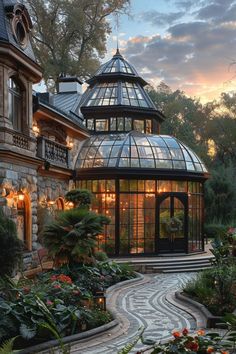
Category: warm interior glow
[21,196]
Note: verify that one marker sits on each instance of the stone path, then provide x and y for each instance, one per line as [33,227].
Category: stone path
[147,305]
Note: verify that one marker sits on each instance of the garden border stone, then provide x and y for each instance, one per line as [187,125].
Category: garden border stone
[211,320]
[90,333]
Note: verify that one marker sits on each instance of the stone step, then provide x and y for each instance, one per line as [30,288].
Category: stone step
[184,266]
[180,264]
[196,269]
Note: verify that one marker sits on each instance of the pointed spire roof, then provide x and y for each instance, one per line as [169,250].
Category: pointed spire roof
[117,67]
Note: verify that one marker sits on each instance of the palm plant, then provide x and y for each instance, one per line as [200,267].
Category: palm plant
[72,237]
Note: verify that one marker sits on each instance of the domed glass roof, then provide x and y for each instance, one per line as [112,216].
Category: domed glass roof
[137,150]
[117,65]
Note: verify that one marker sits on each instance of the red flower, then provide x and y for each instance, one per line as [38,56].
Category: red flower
[185,331]
[57,286]
[176,334]
[210,350]
[53,278]
[193,346]
[200,332]
[64,279]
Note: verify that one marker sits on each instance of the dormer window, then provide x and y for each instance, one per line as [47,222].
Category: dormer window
[15,99]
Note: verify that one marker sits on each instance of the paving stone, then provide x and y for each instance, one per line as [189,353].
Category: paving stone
[148,306]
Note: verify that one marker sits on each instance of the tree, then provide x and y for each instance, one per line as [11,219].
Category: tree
[186,118]
[10,246]
[70,36]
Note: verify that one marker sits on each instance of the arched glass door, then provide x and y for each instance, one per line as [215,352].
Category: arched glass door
[172,230]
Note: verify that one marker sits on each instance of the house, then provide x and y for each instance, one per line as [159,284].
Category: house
[106,140]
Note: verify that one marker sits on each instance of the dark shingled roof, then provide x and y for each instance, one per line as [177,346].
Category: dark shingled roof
[63,104]
[6,34]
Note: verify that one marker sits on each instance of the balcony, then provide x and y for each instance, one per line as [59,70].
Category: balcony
[52,152]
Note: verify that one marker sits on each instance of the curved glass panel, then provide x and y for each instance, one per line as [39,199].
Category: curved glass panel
[116,65]
[136,150]
[118,93]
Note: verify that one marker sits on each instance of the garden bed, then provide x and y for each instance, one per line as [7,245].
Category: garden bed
[210,320]
[65,303]
[87,334]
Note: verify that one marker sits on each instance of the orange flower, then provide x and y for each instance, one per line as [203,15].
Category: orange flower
[224,352]
[200,332]
[185,331]
[210,350]
[176,334]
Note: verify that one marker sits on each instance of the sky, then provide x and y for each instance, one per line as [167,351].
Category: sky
[188,44]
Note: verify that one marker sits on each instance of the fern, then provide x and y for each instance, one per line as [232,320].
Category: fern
[7,347]
[131,345]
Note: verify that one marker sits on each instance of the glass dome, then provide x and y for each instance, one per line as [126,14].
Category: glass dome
[117,65]
[137,150]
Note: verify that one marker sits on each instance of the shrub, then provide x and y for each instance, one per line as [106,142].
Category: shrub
[80,197]
[10,246]
[72,237]
[214,230]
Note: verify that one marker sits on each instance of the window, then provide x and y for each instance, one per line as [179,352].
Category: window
[104,95]
[15,98]
[132,95]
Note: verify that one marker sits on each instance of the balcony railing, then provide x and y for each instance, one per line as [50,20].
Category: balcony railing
[53,152]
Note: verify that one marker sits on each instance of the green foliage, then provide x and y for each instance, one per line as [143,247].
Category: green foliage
[215,287]
[220,196]
[72,237]
[70,36]
[214,230]
[10,246]
[7,347]
[100,256]
[80,197]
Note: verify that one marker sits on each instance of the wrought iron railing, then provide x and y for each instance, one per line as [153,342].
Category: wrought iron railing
[53,152]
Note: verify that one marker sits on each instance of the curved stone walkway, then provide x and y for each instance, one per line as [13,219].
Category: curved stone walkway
[146,304]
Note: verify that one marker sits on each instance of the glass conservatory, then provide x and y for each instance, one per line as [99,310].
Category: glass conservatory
[149,185]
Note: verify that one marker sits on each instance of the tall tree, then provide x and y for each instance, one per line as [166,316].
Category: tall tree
[70,35]
[186,118]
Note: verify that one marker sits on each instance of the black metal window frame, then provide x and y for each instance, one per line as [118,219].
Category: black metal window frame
[123,189]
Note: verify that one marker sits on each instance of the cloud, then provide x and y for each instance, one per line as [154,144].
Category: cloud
[202,58]
[156,18]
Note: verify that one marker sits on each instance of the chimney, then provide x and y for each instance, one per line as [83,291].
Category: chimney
[69,84]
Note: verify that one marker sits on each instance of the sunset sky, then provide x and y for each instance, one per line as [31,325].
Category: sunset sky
[188,44]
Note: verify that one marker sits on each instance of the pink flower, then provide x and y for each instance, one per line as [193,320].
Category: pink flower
[49,303]
[57,286]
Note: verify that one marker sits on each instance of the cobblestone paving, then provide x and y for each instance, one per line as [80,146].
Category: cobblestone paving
[145,306]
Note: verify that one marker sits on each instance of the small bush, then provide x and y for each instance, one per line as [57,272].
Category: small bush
[10,246]
[215,230]
[100,256]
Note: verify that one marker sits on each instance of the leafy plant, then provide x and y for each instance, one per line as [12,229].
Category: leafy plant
[10,246]
[80,197]
[7,347]
[72,237]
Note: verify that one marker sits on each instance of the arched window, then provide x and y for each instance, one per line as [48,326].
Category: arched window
[15,99]
[24,221]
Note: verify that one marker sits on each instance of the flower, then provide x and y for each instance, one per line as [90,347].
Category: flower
[210,350]
[224,352]
[176,334]
[185,331]
[49,303]
[64,278]
[201,332]
[53,278]
[57,286]
[192,345]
